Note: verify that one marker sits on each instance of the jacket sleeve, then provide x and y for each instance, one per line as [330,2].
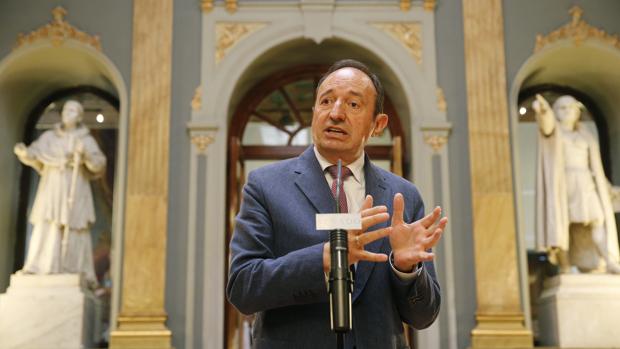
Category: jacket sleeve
[258,279]
[417,300]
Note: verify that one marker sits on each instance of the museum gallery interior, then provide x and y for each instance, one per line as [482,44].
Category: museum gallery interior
[129,129]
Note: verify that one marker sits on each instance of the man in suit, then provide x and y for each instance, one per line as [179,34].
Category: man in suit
[279,259]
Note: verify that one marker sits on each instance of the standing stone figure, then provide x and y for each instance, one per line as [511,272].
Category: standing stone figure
[573,196]
[66,157]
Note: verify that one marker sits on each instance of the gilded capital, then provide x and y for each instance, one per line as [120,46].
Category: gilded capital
[436,134]
[202,135]
[202,141]
[58,31]
[405,5]
[577,30]
[409,34]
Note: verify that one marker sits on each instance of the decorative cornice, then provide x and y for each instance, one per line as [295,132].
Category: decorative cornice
[58,31]
[206,6]
[429,5]
[405,5]
[577,30]
[228,34]
[408,34]
[441,100]
[197,99]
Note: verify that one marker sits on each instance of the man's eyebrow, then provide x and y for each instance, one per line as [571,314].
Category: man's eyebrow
[353,92]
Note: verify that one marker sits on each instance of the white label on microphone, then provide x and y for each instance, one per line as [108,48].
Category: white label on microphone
[329,221]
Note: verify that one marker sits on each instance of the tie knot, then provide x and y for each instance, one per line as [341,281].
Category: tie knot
[333,171]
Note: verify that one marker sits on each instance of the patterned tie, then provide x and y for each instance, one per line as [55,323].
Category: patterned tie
[346,172]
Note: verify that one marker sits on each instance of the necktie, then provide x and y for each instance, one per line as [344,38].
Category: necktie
[342,202]
[346,172]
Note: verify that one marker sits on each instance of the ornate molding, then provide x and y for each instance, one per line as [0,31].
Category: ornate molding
[197,99]
[206,6]
[202,135]
[435,141]
[405,5]
[409,34]
[58,31]
[442,106]
[429,5]
[577,30]
[228,34]
[202,141]
[436,135]
[231,6]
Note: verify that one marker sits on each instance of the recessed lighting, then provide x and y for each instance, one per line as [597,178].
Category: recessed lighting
[100,118]
[522,110]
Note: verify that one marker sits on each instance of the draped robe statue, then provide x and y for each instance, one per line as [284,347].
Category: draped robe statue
[66,157]
[573,196]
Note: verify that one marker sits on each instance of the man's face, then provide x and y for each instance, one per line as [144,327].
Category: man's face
[70,114]
[342,119]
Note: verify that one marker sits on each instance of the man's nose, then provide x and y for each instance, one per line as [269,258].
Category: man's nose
[337,111]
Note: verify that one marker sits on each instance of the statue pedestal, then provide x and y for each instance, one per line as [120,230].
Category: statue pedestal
[47,311]
[580,311]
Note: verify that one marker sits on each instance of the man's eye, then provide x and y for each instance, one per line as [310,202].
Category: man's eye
[355,105]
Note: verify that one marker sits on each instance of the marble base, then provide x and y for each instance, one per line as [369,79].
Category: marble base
[580,311]
[47,311]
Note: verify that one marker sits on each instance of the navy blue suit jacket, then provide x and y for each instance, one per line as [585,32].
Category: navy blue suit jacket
[276,269]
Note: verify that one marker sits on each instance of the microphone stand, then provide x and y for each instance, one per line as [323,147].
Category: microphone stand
[340,278]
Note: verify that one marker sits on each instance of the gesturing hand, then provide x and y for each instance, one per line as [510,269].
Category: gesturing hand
[359,238]
[410,242]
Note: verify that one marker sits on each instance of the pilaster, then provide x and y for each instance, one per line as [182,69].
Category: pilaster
[141,322]
[500,321]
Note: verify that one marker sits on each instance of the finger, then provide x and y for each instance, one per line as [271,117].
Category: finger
[426,256]
[367,203]
[431,218]
[399,208]
[373,210]
[432,240]
[368,222]
[374,235]
[372,257]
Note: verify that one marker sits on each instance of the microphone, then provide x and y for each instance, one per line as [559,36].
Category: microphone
[340,278]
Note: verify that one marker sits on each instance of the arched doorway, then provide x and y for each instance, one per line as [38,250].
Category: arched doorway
[271,123]
[30,78]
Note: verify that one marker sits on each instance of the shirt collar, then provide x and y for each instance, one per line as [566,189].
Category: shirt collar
[356,167]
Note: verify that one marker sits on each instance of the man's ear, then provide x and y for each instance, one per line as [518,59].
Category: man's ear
[381,121]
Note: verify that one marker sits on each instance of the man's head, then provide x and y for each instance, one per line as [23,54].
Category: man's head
[567,110]
[72,112]
[347,111]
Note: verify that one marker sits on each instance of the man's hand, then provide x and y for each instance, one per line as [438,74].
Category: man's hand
[358,238]
[410,242]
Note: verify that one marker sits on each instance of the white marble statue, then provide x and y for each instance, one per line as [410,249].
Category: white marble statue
[573,196]
[66,157]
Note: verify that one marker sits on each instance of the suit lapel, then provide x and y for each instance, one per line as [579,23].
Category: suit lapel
[311,181]
[377,187]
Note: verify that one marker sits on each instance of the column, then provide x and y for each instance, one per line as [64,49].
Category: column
[500,321]
[141,322]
